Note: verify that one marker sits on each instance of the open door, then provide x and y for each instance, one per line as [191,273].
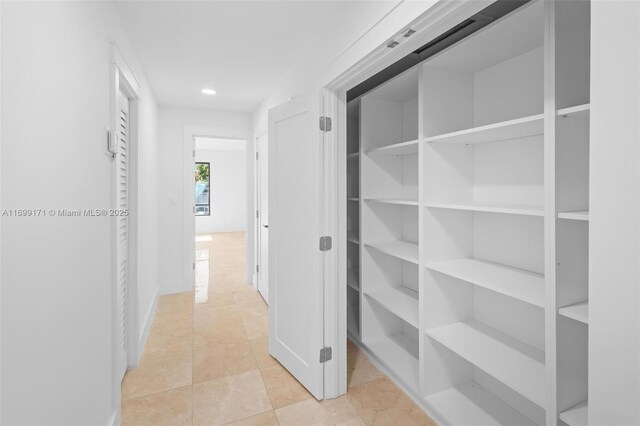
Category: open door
[295,259]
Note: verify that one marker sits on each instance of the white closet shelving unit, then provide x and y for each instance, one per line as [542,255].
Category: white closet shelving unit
[473,207]
[353,219]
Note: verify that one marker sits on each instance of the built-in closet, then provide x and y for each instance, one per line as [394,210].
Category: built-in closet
[468,222]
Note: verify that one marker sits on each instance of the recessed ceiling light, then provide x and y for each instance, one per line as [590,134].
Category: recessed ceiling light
[208,91]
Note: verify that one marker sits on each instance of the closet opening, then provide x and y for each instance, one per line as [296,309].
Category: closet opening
[466,240]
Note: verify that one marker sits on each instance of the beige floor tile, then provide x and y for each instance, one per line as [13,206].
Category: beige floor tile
[249,298]
[171,322]
[172,303]
[231,398]
[168,345]
[221,332]
[258,308]
[312,412]
[359,368]
[265,419]
[283,388]
[256,324]
[171,408]
[217,300]
[223,359]
[261,352]
[157,376]
[381,402]
[207,314]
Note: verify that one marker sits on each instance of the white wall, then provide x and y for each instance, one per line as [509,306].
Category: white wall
[228,191]
[614,226]
[57,277]
[171,123]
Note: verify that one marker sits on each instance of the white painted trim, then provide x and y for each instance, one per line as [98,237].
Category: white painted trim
[258,132]
[428,22]
[189,227]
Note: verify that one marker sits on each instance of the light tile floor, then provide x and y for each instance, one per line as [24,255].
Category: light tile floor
[206,362]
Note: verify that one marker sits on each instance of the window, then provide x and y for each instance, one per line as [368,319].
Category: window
[203,200]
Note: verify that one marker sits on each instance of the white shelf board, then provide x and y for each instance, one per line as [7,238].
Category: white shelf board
[402,148]
[578,111]
[517,283]
[471,404]
[514,363]
[353,313]
[506,130]
[401,249]
[582,215]
[353,238]
[403,202]
[353,199]
[578,312]
[526,210]
[577,415]
[399,352]
[353,156]
[400,301]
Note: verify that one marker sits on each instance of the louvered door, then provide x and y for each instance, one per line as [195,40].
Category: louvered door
[122,228]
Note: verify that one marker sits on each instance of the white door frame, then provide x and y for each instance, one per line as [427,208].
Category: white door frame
[123,80]
[189,133]
[433,22]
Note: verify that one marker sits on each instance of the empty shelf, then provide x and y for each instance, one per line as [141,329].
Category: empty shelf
[491,208]
[517,283]
[401,249]
[583,215]
[402,148]
[577,415]
[578,312]
[353,199]
[353,238]
[400,301]
[579,111]
[471,404]
[506,130]
[403,202]
[401,353]
[353,156]
[514,363]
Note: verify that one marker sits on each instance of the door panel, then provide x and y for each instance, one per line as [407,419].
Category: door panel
[295,284]
[122,227]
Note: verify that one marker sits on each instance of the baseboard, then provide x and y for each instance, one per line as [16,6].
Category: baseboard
[148,320]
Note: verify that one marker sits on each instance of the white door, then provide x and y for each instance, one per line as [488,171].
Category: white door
[263,216]
[122,227]
[295,282]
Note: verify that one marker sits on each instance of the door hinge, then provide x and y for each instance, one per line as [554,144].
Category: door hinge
[257,269]
[257,214]
[325,243]
[325,124]
[257,155]
[194,152]
[325,354]
[193,266]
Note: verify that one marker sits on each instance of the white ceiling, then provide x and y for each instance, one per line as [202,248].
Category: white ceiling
[240,48]
[219,144]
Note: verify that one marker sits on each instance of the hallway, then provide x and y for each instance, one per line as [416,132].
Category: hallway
[206,362]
